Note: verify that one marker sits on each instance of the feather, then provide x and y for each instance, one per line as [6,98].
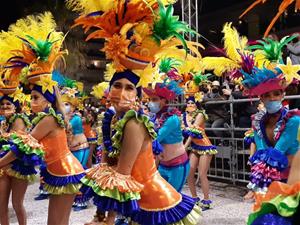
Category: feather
[219,65]
[89,6]
[199,78]
[233,43]
[166,64]
[271,48]
[59,78]
[99,90]
[259,76]
[167,26]
[252,6]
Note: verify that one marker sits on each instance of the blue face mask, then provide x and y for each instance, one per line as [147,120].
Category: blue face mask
[154,107]
[273,106]
[67,108]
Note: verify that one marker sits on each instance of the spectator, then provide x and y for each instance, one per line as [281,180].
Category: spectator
[294,51]
[293,89]
[218,113]
[243,110]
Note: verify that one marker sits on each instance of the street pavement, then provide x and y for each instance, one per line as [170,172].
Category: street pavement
[228,207]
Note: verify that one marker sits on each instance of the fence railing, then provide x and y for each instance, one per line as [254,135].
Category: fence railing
[231,162]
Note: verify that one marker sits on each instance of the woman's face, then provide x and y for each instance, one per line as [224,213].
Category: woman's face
[122,95]
[190,106]
[38,102]
[276,95]
[7,108]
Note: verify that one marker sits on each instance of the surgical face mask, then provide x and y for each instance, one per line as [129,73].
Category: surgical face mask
[154,107]
[273,106]
[67,108]
[122,100]
[215,90]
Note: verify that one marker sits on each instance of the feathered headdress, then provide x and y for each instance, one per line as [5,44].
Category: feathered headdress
[41,46]
[268,52]
[71,90]
[237,55]
[135,32]
[169,88]
[10,66]
[10,69]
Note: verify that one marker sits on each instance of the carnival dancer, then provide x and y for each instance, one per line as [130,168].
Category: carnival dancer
[15,178]
[91,135]
[280,205]
[41,49]
[18,174]
[173,161]
[135,174]
[140,30]
[77,141]
[263,74]
[201,149]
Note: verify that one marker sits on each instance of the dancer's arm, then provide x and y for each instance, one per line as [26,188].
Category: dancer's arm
[252,149]
[7,159]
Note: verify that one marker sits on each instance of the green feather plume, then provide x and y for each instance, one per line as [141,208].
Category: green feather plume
[168,26]
[166,64]
[271,48]
[200,78]
[41,48]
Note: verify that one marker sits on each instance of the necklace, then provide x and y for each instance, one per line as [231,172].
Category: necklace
[106,129]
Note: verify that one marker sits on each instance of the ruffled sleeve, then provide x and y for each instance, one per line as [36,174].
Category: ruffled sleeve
[249,137]
[51,112]
[119,128]
[194,133]
[25,147]
[112,191]
[280,203]
[267,166]
[22,117]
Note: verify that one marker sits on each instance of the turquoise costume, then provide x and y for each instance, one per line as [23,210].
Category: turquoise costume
[270,163]
[77,128]
[176,170]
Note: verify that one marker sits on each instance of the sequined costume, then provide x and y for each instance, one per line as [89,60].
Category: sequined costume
[275,157]
[144,195]
[176,170]
[280,206]
[200,144]
[19,168]
[63,171]
[81,151]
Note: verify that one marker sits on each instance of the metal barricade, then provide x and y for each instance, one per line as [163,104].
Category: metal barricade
[231,162]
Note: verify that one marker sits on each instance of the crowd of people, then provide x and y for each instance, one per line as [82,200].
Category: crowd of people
[131,151]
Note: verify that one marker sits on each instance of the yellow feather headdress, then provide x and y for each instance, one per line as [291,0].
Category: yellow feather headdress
[41,44]
[235,47]
[136,32]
